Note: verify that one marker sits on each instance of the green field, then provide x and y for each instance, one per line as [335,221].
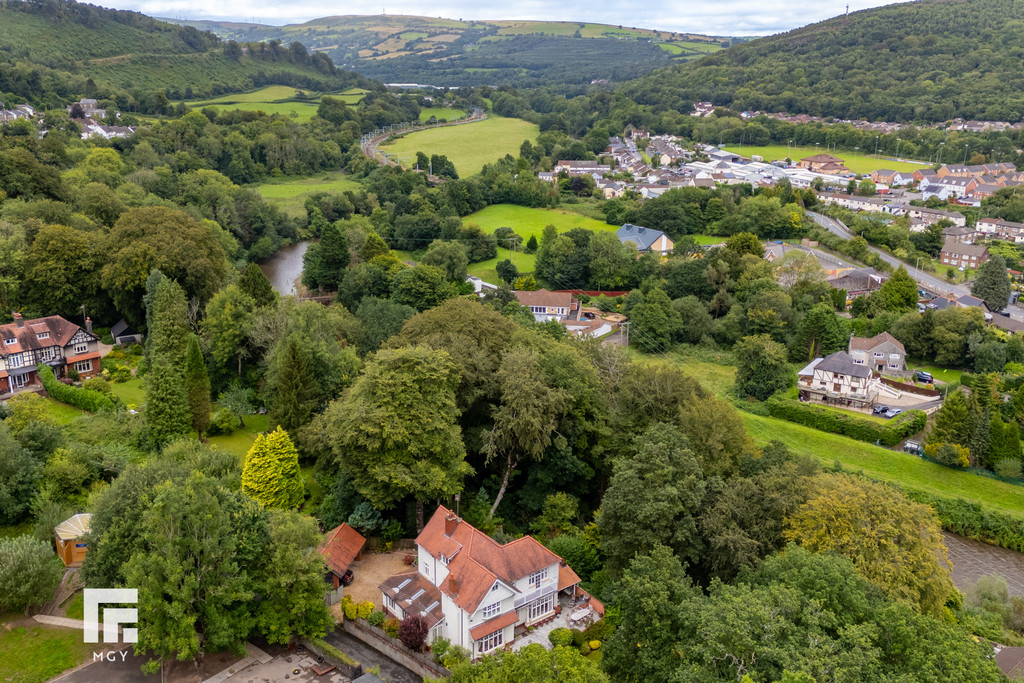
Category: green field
[896,467]
[278,99]
[38,653]
[858,162]
[441,113]
[289,194]
[468,146]
[526,221]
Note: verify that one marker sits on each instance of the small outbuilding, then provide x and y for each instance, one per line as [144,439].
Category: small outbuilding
[71,547]
[124,334]
[342,546]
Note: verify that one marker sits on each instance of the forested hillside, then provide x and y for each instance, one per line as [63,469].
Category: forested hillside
[53,52]
[449,52]
[930,61]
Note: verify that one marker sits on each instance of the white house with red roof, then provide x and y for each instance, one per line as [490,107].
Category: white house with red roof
[474,591]
[52,340]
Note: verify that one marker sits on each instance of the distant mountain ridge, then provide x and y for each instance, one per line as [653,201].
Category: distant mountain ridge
[58,50]
[928,60]
[399,48]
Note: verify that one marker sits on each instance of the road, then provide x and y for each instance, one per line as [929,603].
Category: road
[923,279]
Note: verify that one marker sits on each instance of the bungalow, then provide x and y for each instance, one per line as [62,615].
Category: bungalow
[645,239]
[342,546]
[548,305]
[838,380]
[475,591]
[51,340]
[882,353]
[961,255]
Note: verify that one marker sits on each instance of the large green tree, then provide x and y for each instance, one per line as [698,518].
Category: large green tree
[532,663]
[254,283]
[270,475]
[29,572]
[168,239]
[448,256]
[951,421]
[395,432]
[654,322]
[763,367]
[197,386]
[820,333]
[226,328]
[167,404]
[899,292]
[293,392]
[992,284]
[422,287]
[653,499]
[62,271]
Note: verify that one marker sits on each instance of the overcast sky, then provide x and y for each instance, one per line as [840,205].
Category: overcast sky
[715,17]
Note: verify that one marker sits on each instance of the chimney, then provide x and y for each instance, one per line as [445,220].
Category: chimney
[450,522]
[88,324]
[453,585]
[18,319]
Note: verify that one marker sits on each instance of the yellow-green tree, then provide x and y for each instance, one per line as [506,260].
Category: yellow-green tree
[270,475]
[894,543]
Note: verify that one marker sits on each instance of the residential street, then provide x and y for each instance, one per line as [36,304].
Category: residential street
[925,280]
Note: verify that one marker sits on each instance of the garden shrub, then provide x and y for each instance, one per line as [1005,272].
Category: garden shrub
[413,631]
[364,609]
[121,373]
[85,399]
[223,423]
[888,433]
[349,608]
[454,656]
[594,644]
[390,627]
[560,636]
[577,637]
[599,630]
[1008,468]
[376,618]
[949,454]
[438,648]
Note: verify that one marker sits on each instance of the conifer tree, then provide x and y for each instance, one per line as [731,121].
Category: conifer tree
[270,475]
[992,284]
[254,283]
[292,398]
[951,421]
[167,405]
[373,247]
[197,385]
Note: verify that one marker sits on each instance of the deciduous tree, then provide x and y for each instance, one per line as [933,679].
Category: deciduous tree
[29,572]
[763,367]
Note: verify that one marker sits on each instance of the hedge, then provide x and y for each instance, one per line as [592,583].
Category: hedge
[887,433]
[968,519]
[91,401]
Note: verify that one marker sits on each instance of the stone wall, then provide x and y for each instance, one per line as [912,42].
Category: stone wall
[419,663]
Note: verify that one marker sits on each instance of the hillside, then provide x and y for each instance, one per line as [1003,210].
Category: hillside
[455,52]
[54,52]
[930,60]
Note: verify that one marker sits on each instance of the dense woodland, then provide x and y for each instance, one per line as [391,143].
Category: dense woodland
[406,391]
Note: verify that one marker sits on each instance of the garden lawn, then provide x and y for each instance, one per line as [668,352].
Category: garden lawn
[37,653]
[289,194]
[858,162]
[441,113]
[527,221]
[131,392]
[61,413]
[947,375]
[708,239]
[240,441]
[468,146]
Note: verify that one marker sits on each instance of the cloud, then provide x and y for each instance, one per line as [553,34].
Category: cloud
[715,17]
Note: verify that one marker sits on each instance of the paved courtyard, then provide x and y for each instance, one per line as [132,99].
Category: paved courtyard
[372,570]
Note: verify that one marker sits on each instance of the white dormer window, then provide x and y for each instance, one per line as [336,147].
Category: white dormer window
[444,560]
[43,335]
[12,340]
[494,587]
[492,610]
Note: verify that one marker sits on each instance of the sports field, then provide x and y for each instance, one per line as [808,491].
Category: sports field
[856,161]
[289,194]
[468,146]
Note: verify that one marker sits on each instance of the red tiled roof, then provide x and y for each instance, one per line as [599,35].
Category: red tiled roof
[60,332]
[85,356]
[566,577]
[340,547]
[544,297]
[476,561]
[492,625]
[866,344]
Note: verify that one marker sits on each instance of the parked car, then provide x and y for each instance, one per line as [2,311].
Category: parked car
[892,413]
[922,376]
[879,409]
[346,578]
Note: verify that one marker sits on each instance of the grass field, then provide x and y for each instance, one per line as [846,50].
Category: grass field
[38,653]
[289,194]
[441,113]
[875,462]
[858,162]
[278,99]
[239,441]
[468,146]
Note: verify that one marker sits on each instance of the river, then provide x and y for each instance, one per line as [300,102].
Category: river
[285,267]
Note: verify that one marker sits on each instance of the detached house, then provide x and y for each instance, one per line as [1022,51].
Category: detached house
[547,305]
[838,380]
[474,591]
[645,239]
[882,353]
[24,344]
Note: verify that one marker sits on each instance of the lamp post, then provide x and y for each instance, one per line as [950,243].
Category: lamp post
[877,140]
[966,149]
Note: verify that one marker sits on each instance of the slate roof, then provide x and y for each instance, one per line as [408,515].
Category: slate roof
[642,237]
[841,363]
[414,593]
